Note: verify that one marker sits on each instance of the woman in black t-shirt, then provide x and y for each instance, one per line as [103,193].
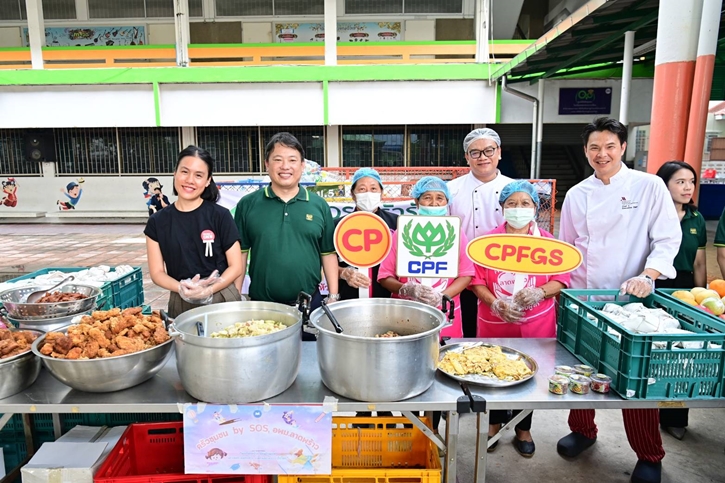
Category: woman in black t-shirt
[193,245]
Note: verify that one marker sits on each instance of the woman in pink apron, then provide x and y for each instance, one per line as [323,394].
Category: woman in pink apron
[515,305]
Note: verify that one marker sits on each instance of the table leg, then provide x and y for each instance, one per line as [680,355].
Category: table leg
[481,446]
[452,445]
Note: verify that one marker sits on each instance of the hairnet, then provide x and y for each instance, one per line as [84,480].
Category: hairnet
[366,173]
[481,133]
[522,186]
[430,183]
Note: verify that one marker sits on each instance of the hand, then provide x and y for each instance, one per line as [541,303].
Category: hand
[639,286]
[354,278]
[197,290]
[507,311]
[420,293]
[529,297]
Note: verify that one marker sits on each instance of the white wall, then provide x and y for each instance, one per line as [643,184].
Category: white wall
[10,37]
[420,30]
[162,33]
[257,33]
[517,110]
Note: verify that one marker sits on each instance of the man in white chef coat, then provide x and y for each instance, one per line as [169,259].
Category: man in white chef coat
[474,198]
[625,224]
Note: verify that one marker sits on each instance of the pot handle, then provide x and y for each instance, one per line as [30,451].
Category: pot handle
[170,326]
[448,306]
[304,300]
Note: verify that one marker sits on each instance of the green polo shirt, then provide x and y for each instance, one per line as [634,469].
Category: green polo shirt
[694,238]
[720,232]
[286,242]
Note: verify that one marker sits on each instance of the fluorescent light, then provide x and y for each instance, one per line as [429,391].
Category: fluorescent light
[645,48]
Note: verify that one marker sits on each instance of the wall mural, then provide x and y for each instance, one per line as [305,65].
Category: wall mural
[10,193]
[72,192]
[155,199]
[346,32]
[91,36]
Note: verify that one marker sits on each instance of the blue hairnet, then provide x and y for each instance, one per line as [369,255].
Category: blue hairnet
[522,186]
[430,183]
[481,133]
[366,173]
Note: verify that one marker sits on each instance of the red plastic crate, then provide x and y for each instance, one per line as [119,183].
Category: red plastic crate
[154,453]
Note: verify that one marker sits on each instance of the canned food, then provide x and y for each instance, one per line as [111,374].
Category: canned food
[558,384]
[564,370]
[579,384]
[601,383]
[583,370]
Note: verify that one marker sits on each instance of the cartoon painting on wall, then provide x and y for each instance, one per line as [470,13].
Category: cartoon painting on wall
[155,199]
[72,192]
[10,193]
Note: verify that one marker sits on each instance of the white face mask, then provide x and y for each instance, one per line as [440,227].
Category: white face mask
[368,201]
[519,217]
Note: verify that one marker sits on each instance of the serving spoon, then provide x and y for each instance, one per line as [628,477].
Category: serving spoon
[39,294]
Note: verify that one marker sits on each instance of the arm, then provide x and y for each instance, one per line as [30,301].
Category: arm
[552,288]
[391,284]
[458,286]
[665,235]
[700,267]
[240,280]
[483,294]
[233,271]
[157,270]
[329,266]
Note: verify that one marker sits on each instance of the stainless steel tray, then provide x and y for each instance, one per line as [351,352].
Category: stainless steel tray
[482,380]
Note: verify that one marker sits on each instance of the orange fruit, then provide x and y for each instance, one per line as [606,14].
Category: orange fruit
[718,285]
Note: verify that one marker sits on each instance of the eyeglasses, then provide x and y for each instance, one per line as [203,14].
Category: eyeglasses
[488,152]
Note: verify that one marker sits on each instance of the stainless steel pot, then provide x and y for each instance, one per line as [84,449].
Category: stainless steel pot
[357,365]
[19,372]
[46,325]
[240,370]
[13,301]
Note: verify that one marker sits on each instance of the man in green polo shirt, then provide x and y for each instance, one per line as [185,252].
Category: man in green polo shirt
[288,229]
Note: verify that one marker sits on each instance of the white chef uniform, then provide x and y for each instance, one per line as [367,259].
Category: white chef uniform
[476,203]
[621,228]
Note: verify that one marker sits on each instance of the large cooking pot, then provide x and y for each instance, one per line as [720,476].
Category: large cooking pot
[357,365]
[240,370]
[19,372]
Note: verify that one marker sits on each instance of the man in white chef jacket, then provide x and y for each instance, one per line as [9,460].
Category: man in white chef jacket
[625,224]
[475,201]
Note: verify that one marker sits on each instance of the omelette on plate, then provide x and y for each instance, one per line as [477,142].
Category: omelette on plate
[484,360]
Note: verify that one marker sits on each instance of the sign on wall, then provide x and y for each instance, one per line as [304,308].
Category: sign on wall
[585,100]
[91,36]
[346,32]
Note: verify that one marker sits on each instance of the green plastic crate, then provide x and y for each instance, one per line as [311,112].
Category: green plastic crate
[69,421]
[638,370]
[667,293]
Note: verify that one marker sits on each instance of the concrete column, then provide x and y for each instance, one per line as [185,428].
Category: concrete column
[706,47]
[332,147]
[330,32]
[678,29]
[188,137]
[36,32]
[481,16]
[181,24]
[539,128]
[207,9]
[48,169]
[82,9]
[626,77]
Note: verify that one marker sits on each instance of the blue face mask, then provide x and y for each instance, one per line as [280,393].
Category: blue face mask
[433,210]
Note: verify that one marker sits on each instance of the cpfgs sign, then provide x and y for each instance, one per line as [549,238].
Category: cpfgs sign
[428,246]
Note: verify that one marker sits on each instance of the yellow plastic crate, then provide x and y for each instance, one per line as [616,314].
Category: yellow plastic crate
[391,450]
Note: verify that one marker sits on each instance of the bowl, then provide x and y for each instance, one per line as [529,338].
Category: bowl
[19,372]
[47,325]
[107,374]
[13,301]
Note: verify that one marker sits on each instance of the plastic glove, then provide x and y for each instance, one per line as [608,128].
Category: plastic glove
[507,311]
[639,286]
[199,290]
[354,278]
[421,293]
[529,297]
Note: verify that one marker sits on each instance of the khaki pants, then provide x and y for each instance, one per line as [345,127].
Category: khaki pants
[178,306]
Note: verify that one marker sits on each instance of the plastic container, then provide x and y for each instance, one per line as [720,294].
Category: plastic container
[583,370]
[601,383]
[154,453]
[639,370]
[565,371]
[579,384]
[390,450]
[559,384]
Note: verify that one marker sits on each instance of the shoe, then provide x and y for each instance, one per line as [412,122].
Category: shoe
[647,472]
[492,448]
[525,448]
[574,444]
[677,433]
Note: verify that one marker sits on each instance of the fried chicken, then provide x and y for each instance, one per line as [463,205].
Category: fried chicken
[14,342]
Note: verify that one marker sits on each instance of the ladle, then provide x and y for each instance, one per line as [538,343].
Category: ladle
[39,294]
[332,318]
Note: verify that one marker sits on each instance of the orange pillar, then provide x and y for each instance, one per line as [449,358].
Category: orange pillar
[706,47]
[677,35]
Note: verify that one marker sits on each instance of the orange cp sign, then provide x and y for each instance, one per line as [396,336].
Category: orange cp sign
[362,239]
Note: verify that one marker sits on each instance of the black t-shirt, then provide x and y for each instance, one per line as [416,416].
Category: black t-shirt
[346,291]
[179,235]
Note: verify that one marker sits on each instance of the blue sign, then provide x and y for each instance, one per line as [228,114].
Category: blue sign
[585,100]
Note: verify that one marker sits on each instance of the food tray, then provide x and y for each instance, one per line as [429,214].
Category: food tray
[154,453]
[481,380]
[377,450]
[638,370]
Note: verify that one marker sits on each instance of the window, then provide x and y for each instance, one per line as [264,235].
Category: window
[52,9]
[148,150]
[234,149]
[235,8]
[312,139]
[433,146]
[373,146]
[86,151]
[640,142]
[708,142]
[433,6]
[139,9]
[373,7]
[12,156]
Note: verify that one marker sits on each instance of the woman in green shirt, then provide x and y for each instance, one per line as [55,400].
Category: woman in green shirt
[690,261]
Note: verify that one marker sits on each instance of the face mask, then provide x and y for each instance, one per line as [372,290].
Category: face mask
[519,217]
[433,210]
[368,201]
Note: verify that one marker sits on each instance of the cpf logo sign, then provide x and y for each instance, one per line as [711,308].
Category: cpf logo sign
[428,246]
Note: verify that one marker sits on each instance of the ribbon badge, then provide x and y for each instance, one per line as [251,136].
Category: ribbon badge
[207,236]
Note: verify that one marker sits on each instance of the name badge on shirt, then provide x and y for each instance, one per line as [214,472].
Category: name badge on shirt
[629,204]
[693,231]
